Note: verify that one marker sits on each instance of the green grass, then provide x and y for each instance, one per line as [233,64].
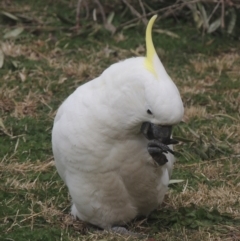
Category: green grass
[42,67]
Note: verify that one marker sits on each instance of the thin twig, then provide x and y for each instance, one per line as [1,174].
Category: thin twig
[87,9]
[31,216]
[14,223]
[142,7]
[39,28]
[78,13]
[135,12]
[106,24]
[223,13]
[176,6]
[214,10]
[101,10]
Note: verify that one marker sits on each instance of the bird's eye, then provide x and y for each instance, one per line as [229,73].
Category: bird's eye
[149,112]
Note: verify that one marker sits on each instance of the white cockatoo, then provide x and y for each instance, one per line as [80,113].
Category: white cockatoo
[112,140]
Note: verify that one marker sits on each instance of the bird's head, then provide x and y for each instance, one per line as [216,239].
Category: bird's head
[165,104]
[142,90]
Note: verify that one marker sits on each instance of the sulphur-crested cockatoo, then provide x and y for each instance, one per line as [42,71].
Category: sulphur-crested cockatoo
[112,140]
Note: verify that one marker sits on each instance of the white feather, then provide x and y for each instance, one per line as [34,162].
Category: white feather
[99,150]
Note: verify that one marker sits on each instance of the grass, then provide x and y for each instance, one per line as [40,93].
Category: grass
[48,60]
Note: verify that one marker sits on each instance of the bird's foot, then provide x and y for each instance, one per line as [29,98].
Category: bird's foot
[124,232]
[157,149]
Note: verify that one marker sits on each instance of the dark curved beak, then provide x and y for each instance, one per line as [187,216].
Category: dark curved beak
[162,133]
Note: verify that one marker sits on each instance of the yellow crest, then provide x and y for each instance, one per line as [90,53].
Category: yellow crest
[150,47]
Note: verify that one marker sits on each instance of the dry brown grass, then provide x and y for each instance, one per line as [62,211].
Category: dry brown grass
[18,109]
[79,70]
[223,198]
[225,62]
[12,49]
[13,166]
[194,112]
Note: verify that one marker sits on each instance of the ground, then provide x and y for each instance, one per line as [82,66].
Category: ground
[45,59]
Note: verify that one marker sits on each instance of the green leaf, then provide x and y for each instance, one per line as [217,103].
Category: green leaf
[167,32]
[204,15]
[232,21]
[196,17]
[1,58]
[26,19]
[13,33]
[214,25]
[193,132]
[9,15]
[15,64]
[110,17]
[173,181]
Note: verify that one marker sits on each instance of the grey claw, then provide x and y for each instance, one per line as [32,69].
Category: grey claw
[160,146]
[171,142]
